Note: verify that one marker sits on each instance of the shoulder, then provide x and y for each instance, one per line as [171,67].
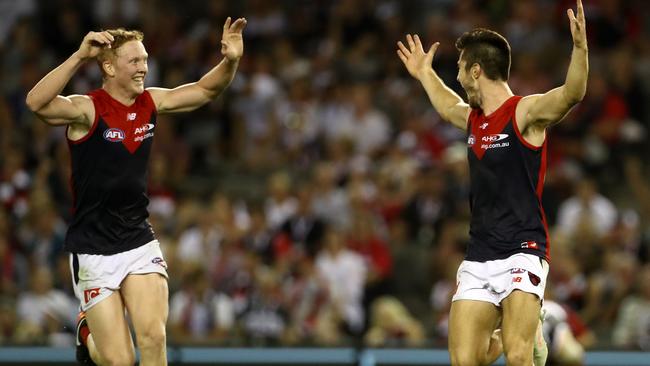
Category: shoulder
[90,100]
[474,113]
[147,97]
[81,100]
[526,123]
[526,102]
[155,95]
[85,104]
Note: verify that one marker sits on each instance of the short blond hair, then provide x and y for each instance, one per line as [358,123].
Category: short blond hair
[120,37]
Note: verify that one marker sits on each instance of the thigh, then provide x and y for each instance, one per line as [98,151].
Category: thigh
[471,324]
[146,299]
[109,328]
[520,318]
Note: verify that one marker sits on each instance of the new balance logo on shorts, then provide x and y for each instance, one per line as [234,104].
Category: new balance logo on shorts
[534,279]
[90,294]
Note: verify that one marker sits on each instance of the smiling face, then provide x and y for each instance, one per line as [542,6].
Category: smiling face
[124,64]
[468,82]
[487,53]
[129,67]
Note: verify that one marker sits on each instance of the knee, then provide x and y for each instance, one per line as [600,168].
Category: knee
[119,359]
[153,336]
[520,355]
[460,358]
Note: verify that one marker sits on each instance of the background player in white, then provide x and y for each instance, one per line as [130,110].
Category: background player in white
[145,295]
[472,321]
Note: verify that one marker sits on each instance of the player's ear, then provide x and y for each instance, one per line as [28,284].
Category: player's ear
[109,69]
[475,71]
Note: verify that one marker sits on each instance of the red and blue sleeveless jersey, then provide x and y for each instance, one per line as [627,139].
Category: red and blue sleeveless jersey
[109,176]
[507,177]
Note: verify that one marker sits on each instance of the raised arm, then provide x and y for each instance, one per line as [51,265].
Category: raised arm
[448,104]
[44,98]
[194,95]
[542,110]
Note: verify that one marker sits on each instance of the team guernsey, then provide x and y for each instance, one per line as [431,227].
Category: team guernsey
[507,176]
[109,170]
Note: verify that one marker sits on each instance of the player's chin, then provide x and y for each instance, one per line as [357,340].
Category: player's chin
[138,88]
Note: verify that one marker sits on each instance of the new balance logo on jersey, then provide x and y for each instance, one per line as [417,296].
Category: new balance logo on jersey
[114,135]
[131,116]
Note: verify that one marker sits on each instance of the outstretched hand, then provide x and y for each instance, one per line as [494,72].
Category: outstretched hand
[413,57]
[232,43]
[578,26]
[93,43]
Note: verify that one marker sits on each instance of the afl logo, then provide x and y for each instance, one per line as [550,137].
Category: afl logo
[114,135]
[471,140]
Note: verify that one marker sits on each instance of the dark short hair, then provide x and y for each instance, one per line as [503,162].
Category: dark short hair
[487,48]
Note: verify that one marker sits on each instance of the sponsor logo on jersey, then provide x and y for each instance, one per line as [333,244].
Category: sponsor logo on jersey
[492,141]
[471,140]
[517,270]
[495,137]
[131,116]
[144,128]
[147,127]
[114,135]
[90,293]
[529,245]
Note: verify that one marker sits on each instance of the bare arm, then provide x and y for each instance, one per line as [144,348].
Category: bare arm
[191,96]
[448,104]
[44,98]
[542,110]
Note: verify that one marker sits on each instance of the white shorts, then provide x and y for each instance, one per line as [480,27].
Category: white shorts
[493,281]
[95,277]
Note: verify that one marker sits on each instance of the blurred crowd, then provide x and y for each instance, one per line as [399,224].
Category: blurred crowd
[321,200]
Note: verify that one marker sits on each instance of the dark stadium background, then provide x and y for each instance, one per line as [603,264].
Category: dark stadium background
[323,123]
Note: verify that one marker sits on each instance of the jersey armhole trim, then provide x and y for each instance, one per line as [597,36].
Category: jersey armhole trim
[90,131]
[520,136]
[472,114]
[150,101]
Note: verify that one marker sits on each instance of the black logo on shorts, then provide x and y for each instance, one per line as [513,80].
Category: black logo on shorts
[159,261]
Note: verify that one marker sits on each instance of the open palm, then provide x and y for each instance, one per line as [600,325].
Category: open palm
[232,43]
[414,57]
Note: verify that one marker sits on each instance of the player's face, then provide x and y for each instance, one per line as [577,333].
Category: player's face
[469,84]
[131,67]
